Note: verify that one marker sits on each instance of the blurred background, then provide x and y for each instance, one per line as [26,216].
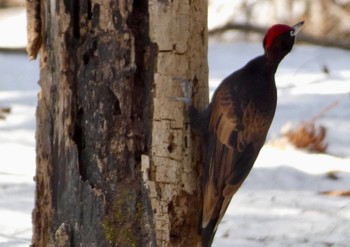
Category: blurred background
[327,20]
[12,24]
[298,192]
[18,98]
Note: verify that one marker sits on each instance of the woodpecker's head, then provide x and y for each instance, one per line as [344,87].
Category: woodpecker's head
[279,39]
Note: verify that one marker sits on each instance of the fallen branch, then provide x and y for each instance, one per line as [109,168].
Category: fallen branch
[336,193]
[325,41]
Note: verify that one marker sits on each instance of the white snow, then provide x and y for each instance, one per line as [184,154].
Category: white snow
[18,90]
[280,203]
[13,31]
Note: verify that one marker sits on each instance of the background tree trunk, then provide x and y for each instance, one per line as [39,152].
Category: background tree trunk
[116,164]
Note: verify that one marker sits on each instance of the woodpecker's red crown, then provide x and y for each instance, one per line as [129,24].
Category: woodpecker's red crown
[280,29]
[275,31]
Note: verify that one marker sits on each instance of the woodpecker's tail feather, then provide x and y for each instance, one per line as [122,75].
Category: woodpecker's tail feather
[208,234]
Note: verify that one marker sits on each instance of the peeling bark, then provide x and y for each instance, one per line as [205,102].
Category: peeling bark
[34,38]
[174,167]
[116,163]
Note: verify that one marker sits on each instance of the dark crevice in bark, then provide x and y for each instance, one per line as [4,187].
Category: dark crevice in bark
[73,7]
[75,18]
[89,53]
[78,139]
[89,9]
[95,16]
[138,22]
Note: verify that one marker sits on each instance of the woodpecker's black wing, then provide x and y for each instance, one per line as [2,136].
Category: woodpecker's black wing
[236,132]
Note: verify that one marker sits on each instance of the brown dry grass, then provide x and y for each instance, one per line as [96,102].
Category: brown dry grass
[308,136]
[4,111]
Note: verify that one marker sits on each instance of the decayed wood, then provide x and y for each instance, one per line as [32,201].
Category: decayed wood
[33,28]
[89,128]
[116,164]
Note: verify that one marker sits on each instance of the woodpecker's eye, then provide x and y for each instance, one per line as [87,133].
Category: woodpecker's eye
[292,32]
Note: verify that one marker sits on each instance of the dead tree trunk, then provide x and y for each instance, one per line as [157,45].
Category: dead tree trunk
[116,163]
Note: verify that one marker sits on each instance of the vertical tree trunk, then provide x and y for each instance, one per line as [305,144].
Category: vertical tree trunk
[116,164]
[178,30]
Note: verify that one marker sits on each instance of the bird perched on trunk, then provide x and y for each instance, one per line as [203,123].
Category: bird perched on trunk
[234,126]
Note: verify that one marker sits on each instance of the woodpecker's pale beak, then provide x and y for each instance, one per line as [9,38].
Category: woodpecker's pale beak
[296,28]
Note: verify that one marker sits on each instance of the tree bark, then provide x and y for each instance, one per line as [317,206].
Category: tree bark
[116,162]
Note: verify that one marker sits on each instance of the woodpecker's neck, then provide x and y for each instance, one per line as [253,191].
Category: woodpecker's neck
[273,60]
[281,46]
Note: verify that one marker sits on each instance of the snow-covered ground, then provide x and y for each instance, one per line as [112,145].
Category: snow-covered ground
[18,90]
[280,203]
